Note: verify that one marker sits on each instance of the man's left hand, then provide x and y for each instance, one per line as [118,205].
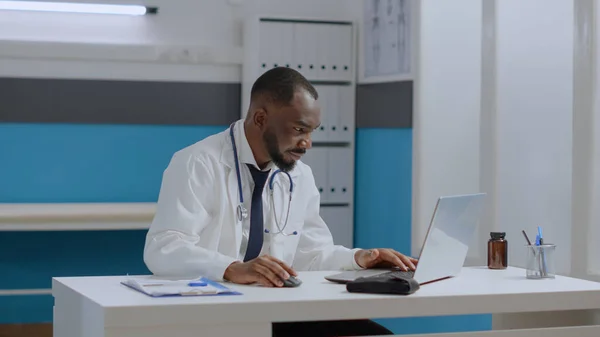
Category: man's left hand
[384,258]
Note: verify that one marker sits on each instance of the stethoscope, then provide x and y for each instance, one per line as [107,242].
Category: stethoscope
[242,212]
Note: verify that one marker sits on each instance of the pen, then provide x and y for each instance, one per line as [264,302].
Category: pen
[529,243]
[526,237]
[542,255]
[189,284]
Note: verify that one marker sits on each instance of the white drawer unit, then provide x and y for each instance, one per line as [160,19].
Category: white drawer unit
[324,51]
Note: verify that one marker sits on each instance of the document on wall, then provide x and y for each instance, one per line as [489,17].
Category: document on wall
[387,37]
[161,288]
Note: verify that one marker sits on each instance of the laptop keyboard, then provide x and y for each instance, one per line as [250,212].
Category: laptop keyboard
[395,274]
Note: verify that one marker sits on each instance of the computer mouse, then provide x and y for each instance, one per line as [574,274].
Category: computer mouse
[292,282]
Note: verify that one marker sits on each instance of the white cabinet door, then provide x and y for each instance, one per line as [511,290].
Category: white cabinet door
[339,221]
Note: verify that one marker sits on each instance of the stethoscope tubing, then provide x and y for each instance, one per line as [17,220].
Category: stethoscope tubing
[242,213]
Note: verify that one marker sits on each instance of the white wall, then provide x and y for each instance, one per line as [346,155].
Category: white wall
[179,21]
[586,221]
[447,107]
[488,131]
[534,119]
[96,40]
[584,192]
[210,29]
[494,113]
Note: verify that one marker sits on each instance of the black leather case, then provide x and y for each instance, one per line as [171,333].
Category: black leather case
[383,285]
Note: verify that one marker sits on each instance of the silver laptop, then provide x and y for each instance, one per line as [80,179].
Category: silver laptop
[446,244]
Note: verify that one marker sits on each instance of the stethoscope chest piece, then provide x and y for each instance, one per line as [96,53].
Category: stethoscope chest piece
[242,212]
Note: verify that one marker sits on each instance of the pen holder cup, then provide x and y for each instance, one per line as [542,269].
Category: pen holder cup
[540,261]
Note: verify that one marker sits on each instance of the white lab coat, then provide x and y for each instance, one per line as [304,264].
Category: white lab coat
[195,231]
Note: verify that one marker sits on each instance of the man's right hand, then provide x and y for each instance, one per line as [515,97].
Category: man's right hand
[265,270]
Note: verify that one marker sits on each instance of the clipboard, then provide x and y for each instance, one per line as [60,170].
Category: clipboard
[167,288]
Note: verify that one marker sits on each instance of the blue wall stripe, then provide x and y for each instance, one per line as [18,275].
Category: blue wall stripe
[26,309]
[383,188]
[88,163]
[383,215]
[29,260]
[78,163]
[438,324]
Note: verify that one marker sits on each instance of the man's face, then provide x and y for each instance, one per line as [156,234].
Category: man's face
[288,134]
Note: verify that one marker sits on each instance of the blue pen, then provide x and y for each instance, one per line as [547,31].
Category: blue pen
[540,241]
[197,284]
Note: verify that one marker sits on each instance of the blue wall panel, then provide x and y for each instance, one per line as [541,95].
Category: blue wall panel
[88,163]
[26,309]
[78,163]
[383,215]
[383,188]
[29,260]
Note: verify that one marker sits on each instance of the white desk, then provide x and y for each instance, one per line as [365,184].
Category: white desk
[100,306]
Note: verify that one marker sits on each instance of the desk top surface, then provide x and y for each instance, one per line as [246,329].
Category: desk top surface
[475,290]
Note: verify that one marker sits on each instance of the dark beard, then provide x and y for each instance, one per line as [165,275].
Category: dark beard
[271,142]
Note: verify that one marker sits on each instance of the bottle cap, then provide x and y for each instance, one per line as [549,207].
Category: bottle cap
[498,235]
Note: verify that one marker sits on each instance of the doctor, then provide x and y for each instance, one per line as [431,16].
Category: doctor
[224,209]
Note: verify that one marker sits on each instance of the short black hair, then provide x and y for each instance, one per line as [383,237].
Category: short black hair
[280,84]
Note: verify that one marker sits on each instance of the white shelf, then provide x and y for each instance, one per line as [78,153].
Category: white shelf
[21,292]
[76,216]
[113,52]
[324,51]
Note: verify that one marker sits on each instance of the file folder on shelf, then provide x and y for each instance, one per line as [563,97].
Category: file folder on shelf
[162,288]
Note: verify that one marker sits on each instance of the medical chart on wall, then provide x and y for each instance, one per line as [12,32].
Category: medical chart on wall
[387,41]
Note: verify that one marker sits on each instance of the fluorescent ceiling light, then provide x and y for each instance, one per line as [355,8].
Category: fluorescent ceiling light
[76,7]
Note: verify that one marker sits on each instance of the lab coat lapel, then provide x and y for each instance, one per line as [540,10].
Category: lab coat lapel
[231,225]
